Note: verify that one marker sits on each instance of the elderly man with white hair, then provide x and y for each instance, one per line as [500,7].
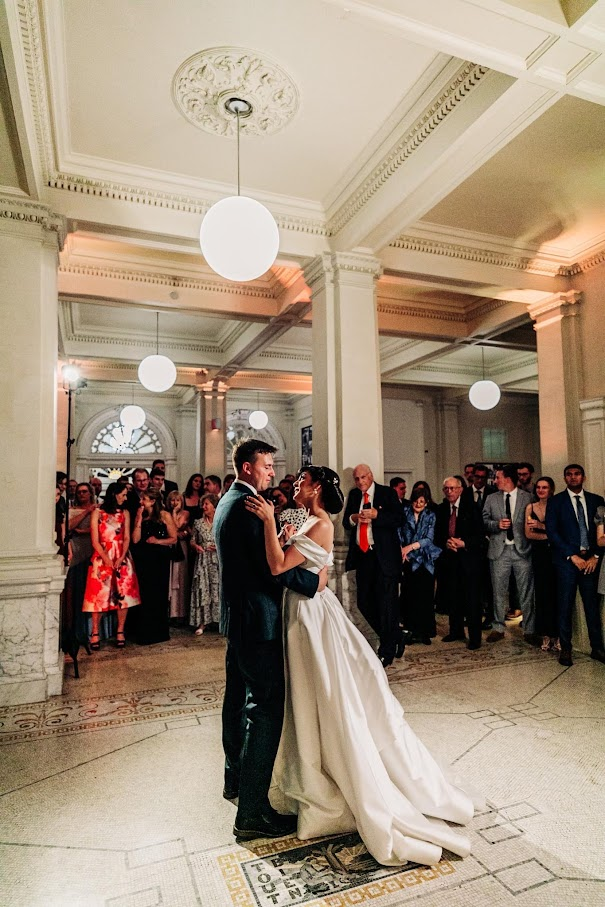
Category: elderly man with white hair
[372,517]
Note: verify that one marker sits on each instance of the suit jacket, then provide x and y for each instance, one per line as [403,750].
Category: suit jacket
[494,510]
[250,595]
[169,486]
[384,529]
[562,528]
[469,494]
[469,528]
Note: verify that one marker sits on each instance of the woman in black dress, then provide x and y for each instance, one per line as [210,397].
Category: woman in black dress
[544,571]
[153,535]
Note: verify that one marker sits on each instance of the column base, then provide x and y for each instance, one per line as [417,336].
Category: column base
[31,666]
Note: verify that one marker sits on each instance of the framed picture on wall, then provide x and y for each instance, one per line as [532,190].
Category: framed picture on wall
[306,445]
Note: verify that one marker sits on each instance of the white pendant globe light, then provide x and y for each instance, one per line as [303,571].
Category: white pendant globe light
[238,236]
[484,394]
[132,416]
[258,419]
[157,373]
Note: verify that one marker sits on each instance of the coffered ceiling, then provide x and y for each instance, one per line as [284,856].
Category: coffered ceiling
[458,141]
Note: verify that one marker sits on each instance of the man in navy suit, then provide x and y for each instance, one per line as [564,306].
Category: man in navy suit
[572,534]
[372,517]
[253,706]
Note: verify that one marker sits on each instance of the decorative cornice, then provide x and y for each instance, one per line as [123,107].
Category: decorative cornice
[30,32]
[290,354]
[173,201]
[389,308]
[467,78]
[587,264]
[329,264]
[483,256]
[167,280]
[24,211]
[557,305]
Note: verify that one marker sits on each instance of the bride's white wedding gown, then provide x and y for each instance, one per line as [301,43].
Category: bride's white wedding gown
[347,758]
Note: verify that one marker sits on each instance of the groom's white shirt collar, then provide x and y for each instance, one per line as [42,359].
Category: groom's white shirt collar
[248,485]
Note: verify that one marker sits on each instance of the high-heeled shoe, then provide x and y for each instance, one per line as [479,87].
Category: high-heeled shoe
[120,643]
[95,646]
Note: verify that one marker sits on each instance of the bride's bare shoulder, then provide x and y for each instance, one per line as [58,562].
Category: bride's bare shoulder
[322,532]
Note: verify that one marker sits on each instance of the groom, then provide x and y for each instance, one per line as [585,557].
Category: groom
[253,706]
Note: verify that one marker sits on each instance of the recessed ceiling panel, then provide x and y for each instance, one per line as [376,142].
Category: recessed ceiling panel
[121,59]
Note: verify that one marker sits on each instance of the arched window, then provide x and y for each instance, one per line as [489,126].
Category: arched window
[114,438]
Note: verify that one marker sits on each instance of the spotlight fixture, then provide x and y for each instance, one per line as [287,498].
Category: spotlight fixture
[238,236]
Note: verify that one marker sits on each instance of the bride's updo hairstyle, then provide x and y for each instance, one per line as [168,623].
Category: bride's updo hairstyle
[332,496]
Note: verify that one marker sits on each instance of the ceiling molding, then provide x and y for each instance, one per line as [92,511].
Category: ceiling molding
[468,77]
[420,311]
[18,209]
[168,280]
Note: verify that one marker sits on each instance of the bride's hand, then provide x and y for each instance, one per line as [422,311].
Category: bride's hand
[262,508]
[287,531]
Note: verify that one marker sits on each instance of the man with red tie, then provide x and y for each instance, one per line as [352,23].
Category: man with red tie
[372,515]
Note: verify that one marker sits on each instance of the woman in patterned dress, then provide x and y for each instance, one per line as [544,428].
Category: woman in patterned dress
[179,572]
[205,594]
[112,583]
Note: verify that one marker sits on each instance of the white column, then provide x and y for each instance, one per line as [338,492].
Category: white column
[593,430]
[212,418]
[347,405]
[560,381]
[448,441]
[31,574]
[347,408]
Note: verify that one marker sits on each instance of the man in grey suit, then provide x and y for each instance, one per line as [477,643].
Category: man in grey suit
[509,551]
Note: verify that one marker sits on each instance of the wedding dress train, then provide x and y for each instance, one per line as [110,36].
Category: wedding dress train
[347,759]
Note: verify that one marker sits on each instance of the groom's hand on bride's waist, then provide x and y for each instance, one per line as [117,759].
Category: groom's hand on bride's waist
[323,579]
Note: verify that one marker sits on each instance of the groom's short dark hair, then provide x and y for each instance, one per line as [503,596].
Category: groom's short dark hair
[246,450]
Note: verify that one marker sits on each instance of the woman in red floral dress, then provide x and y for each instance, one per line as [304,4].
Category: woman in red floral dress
[112,584]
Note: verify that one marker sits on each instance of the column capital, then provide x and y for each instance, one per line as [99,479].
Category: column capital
[22,216]
[555,307]
[351,268]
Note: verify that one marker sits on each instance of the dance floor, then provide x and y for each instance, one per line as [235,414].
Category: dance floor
[111,794]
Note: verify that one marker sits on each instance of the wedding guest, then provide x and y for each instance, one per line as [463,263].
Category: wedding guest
[426,488]
[212,485]
[227,483]
[80,553]
[179,573]
[168,484]
[71,492]
[419,553]
[97,487]
[193,491]
[205,591]
[545,589]
[153,534]
[600,524]
[111,583]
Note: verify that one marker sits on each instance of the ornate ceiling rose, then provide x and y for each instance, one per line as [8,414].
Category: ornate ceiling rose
[205,82]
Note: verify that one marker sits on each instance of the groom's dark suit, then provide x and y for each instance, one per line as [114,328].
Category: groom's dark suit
[251,620]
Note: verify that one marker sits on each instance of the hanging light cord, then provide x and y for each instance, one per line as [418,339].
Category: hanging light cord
[237,112]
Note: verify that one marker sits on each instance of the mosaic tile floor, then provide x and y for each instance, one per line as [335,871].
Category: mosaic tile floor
[110,794]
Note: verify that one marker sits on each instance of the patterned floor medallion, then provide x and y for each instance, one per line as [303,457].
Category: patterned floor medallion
[336,871]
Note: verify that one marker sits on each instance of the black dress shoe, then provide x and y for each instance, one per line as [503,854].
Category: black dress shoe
[598,655]
[385,660]
[473,645]
[565,658]
[273,826]
[452,638]
[405,639]
[487,625]
[230,793]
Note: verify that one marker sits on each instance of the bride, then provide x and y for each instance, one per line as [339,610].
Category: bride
[347,758]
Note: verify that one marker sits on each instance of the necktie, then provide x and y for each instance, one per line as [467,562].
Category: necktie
[364,542]
[451,528]
[510,535]
[584,544]
[478,496]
